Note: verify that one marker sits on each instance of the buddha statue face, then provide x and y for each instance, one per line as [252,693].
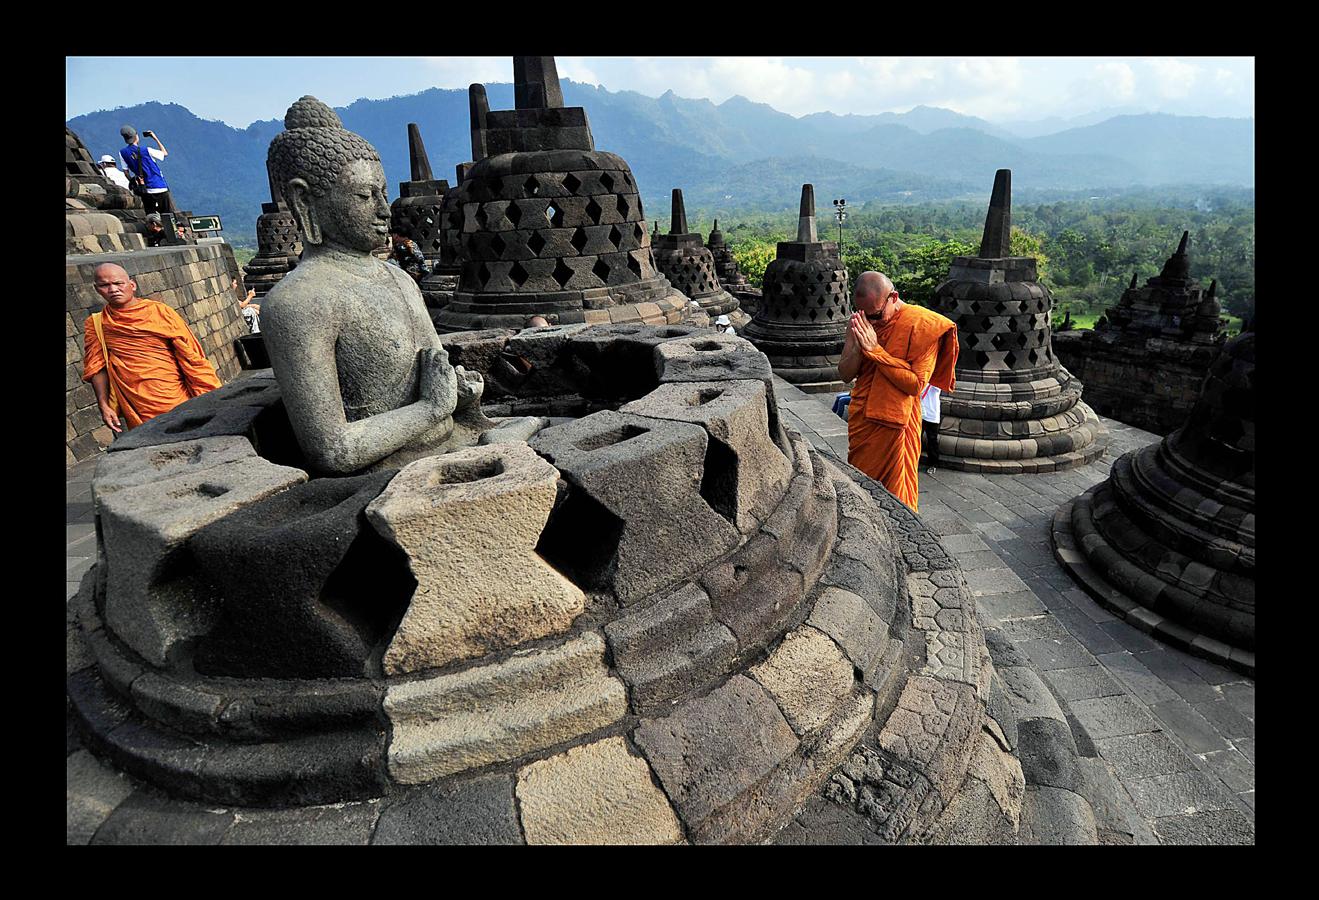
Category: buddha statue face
[352,215]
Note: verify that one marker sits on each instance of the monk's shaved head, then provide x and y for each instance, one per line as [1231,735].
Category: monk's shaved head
[109,270]
[873,284]
[115,285]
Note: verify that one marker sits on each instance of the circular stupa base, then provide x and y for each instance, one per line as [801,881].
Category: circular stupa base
[1098,568]
[748,621]
[648,303]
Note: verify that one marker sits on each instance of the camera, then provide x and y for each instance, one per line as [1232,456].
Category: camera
[148,133]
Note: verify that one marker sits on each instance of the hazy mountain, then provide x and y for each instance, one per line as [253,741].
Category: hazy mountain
[748,152]
[1029,128]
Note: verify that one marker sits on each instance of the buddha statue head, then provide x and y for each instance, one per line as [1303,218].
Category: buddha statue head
[332,180]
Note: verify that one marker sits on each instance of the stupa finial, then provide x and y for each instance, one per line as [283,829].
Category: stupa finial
[806,216]
[997,239]
[678,221]
[421,164]
[479,106]
[1132,286]
[536,83]
[1178,265]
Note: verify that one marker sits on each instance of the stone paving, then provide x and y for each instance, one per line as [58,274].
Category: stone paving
[1178,732]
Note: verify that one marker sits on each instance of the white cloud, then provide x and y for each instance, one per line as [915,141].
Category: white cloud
[1116,79]
[1173,79]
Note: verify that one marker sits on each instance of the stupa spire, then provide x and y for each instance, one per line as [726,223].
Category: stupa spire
[421,164]
[806,216]
[1178,265]
[479,108]
[1132,286]
[997,239]
[678,220]
[536,83]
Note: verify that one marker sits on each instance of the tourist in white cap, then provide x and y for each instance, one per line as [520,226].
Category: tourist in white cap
[112,172]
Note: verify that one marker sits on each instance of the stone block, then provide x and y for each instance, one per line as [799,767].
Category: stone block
[1030,697]
[670,648]
[92,790]
[637,486]
[501,711]
[754,593]
[469,522]
[714,749]
[1048,754]
[346,824]
[149,465]
[477,811]
[153,599]
[745,472]
[807,675]
[594,794]
[855,625]
[230,410]
[317,590]
[1052,816]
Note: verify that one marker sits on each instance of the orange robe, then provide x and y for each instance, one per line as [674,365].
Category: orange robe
[917,347]
[155,362]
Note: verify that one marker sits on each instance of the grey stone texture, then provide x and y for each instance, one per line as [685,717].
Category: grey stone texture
[475,811]
[639,485]
[469,522]
[154,598]
[746,472]
[317,591]
[807,675]
[711,750]
[349,824]
[92,791]
[149,818]
[502,710]
[194,280]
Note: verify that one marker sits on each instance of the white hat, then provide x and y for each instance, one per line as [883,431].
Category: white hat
[722,320]
[107,158]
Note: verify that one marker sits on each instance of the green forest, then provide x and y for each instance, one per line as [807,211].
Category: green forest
[1087,250]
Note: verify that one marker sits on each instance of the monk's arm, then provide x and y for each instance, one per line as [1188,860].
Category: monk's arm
[101,386]
[199,375]
[849,365]
[898,372]
[315,404]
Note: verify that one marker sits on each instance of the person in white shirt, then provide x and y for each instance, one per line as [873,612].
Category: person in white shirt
[930,426]
[112,172]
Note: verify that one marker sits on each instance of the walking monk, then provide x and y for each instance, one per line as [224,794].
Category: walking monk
[893,351]
[144,361]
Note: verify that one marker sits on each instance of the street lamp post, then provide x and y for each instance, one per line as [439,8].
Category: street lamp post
[840,213]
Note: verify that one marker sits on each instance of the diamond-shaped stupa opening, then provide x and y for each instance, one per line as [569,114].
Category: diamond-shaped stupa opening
[518,275]
[498,245]
[562,273]
[593,211]
[571,182]
[531,186]
[536,243]
[607,181]
[554,215]
[514,213]
[634,265]
[578,239]
[622,206]
[600,270]
[615,236]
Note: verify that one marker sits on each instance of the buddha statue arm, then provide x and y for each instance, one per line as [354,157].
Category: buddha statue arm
[315,405]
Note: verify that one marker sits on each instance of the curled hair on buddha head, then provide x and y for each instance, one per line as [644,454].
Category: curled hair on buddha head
[313,148]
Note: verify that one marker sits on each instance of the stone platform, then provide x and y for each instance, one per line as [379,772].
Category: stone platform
[1121,739]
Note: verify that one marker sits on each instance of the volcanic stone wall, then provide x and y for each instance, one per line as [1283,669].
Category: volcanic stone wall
[195,280]
[1150,387]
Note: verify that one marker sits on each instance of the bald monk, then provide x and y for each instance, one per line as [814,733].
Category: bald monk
[893,351]
[154,362]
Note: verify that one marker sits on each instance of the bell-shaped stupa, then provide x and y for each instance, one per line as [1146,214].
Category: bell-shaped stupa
[1168,540]
[1143,364]
[1015,408]
[802,319]
[416,212]
[682,258]
[730,274]
[278,244]
[551,226]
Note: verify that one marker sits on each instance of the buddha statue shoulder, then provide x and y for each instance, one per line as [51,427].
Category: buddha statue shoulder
[365,380]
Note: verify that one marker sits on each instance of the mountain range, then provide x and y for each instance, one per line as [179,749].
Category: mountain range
[735,156]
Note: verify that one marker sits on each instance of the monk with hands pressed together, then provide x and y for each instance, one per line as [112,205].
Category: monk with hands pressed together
[893,350]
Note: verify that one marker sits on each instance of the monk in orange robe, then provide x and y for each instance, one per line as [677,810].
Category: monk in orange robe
[154,362]
[893,351]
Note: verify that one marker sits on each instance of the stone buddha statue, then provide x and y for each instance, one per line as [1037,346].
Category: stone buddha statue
[365,381]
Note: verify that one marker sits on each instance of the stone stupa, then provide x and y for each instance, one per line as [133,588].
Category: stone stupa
[1168,540]
[1143,364]
[1015,409]
[683,259]
[551,226]
[730,274]
[416,212]
[278,244]
[801,322]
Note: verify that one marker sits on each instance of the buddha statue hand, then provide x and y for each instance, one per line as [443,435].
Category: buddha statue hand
[437,382]
[470,388]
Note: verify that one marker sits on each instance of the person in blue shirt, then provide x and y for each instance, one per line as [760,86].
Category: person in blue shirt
[156,198]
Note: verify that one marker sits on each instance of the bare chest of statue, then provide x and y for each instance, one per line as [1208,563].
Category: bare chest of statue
[381,328]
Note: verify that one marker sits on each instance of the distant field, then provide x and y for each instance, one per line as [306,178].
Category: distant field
[243,255]
[1087,320]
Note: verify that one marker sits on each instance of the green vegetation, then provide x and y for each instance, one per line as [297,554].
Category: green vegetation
[1086,249]
[243,255]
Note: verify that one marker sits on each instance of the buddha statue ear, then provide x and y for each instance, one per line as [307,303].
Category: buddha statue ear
[298,193]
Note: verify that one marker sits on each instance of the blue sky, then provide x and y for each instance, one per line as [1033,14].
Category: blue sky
[241,90]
